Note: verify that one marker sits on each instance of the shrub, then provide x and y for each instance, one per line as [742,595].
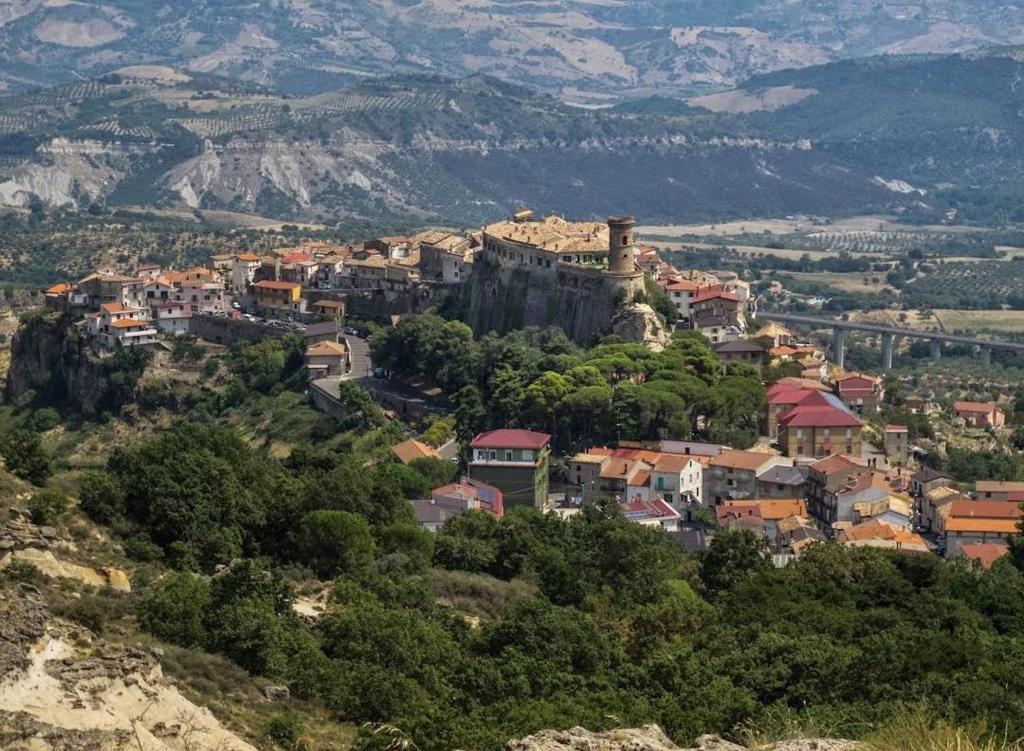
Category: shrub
[47,505]
[285,730]
[25,456]
[101,496]
[175,610]
[22,572]
[335,542]
[45,419]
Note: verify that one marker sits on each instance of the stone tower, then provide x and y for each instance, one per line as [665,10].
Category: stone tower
[621,250]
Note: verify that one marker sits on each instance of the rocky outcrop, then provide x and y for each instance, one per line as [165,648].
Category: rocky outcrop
[652,738]
[50,355]
[64,690]
[640,324]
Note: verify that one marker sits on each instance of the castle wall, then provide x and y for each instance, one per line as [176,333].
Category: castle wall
[581,301]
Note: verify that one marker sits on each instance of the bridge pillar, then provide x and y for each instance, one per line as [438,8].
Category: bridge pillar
[887,351]
[838,347]
[986,354]
[936,349]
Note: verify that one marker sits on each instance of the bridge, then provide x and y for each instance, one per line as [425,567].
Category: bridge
[888,335]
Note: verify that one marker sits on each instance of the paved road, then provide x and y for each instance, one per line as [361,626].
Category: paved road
[359,350]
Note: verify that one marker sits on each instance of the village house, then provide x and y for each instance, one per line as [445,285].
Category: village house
[796,533]
[514,461]
[678,480]
[651,513]
[322,331]
[110,287]
[243,272]
[171,317]
[718,301]
[818,426]
[445,257]
[681,292]
[839,507]
[325,359]
[979,522]
[892,510]
[980,414]
[279,298]
[999,490]
[455,499]
[826,477]
[782,396]
[877,534]
[409,451]
[116,325]
[773,335]
[771,511]
[897,445]
[732,475]
[717,329]
[863,394]
[933,506]
[333,310]
[741,351]
[782,481]
[984,554]
[927,478]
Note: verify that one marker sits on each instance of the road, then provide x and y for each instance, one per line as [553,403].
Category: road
[359,353]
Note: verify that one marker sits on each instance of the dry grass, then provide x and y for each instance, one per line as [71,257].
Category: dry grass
[981,320]
[848,282]
[918,732]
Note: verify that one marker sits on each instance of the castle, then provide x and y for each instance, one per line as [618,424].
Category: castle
[554,272]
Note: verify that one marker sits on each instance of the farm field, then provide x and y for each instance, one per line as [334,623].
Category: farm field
[979,321]
[798,224]
[852,282]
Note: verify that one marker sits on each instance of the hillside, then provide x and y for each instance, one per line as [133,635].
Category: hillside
[460,150]
[580,50]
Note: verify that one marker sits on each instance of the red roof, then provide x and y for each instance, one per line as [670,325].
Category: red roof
[296,257]
[978,407]
[683,285]
[785,395]
[278,285]
[714,291]
[985,510]
[816,411]
[985,553]
[511,438]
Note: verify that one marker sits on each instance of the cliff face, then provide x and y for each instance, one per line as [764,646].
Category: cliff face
[49,356]
[583,303]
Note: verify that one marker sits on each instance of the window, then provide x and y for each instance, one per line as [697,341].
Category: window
[508,456]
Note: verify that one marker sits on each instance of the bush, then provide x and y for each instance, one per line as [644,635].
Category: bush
[21,572]
[25,456]
[175,610]
[47,505]
[101,496]
[285,730]
[45,419]
[335,542]
[141,548]
[88,611]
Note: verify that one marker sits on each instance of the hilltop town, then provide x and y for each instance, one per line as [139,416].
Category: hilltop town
[822,463]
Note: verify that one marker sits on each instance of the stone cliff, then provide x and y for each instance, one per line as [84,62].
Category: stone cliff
[582,302]
[49,355]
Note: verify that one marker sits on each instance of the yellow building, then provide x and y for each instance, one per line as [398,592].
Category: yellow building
[279,296]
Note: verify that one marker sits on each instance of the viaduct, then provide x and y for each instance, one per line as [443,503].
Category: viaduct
[888,335]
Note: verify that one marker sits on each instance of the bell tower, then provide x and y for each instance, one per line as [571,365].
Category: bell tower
[621,247]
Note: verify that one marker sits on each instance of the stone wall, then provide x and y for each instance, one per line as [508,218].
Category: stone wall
[230,331]
[582,301]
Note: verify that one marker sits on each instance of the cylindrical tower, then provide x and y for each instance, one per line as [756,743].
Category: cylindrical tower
[621,250]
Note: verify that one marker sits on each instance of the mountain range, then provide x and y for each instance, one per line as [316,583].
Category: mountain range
[579,50]
[916,134]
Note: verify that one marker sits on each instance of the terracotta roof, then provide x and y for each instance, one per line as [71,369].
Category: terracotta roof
[329,304]
[749,460]
[875,531]
[116,307]
[128,323]
[895,428]
[994,526]
[326,348]
[58,289]
[804,383]
[975,407]
[641,478]
[837,462]
[716,291]
[407,451]
[511,438]
[774,509]
[967,509]
[247,257]
[639,510]
[819,410]
[278,285]
[985,553]
[998,486]
[673,462]
[682,285]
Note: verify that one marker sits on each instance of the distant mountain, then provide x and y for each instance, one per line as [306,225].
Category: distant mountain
[915,134]
[576,49]
[464,150]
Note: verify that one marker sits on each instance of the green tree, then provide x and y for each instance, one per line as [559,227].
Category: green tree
[101,496]
[731,557]
[175,609]
[25,456]
[335,542]
[47,505]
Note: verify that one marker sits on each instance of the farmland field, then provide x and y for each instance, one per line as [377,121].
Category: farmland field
[977,321]
[848,282]
[756,250]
